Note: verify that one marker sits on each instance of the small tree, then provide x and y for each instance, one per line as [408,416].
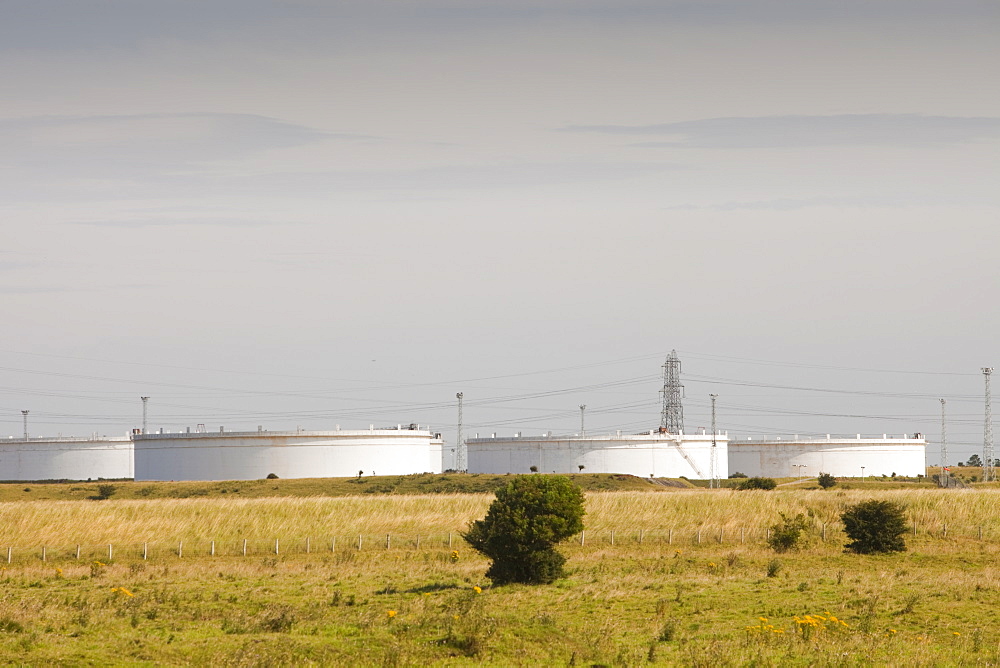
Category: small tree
[580,467]
[786,534]
[529,516]
[826,481]
[533,469]
[758,483]
[974,460]
[875,527]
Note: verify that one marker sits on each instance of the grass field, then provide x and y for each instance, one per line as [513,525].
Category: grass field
[630,603]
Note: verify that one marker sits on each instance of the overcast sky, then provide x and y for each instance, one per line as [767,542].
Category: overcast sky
[317,213]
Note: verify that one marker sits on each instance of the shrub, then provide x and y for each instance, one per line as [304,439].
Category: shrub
[737,475]
[758,483]
[669,631]
[826,481]
[272,476]
[875,527]
[773,568]
[105,491]
[786,534]
[529,516]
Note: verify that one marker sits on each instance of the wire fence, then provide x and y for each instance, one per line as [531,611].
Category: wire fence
[437,542]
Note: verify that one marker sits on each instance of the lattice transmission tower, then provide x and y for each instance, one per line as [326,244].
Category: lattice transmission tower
[461,462]
[988,473]
[672,417]
[714,483]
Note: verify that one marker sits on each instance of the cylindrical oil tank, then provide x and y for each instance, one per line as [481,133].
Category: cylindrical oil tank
[66,458]
[841,457]
[286,454]
[652,454]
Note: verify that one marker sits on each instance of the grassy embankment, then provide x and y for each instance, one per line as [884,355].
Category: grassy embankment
[425,483]
[681,603]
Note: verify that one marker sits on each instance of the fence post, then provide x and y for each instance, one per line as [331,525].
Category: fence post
[980,533]
[143,552]
[43,553]
[914,529]
[583,537]
[180,549]
[9,554]
[388,541]
[722,536]
[333,544]
[110,553]
[612,536]
[449,540]
[640,536]
[418,542]
[307,545]
[213,549]
[77,552]
[276,546]
[699,536]
[244,547]
[824,532]
[670,536]
[359,541]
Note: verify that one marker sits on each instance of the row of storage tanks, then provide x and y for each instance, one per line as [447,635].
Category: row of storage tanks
[409,449]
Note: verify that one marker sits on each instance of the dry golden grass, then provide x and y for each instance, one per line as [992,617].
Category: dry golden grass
[292,520]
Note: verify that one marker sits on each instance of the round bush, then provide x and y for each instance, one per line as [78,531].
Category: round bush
[875,527]
[758,483]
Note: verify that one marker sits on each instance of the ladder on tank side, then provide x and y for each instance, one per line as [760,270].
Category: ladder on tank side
[677,444]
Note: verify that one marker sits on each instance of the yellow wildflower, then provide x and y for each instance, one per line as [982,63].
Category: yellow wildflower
[390,613]
[477,589]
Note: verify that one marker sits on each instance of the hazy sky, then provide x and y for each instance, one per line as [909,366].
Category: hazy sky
[317,213]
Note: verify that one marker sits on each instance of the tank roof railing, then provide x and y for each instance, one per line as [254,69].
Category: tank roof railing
[63,439]
[404,430]
[592,436]
[818,438]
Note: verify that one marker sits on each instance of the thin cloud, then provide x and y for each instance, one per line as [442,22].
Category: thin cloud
[846,202]
[804,131]
[173,222]
[125,143]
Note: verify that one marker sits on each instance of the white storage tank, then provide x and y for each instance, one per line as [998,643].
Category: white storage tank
[253,455]
[654,453]
[839,456]
[66,458]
